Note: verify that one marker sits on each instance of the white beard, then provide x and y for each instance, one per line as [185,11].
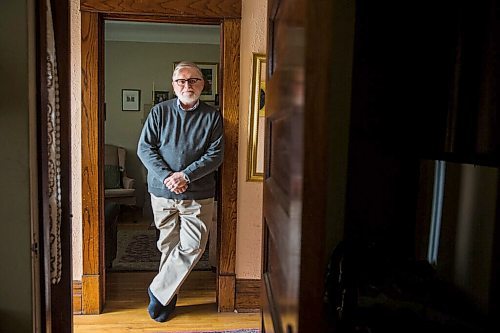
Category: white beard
[188,99]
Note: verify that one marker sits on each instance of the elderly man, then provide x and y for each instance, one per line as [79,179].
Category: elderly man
[181,146]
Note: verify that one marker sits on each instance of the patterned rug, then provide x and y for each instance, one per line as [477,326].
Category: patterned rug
[137,251]
[244,330]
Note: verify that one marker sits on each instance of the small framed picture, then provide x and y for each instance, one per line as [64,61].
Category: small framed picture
[159,96]
[131,99]
[257,120]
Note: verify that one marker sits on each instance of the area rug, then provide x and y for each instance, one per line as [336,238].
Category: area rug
[251,330]
[137,251]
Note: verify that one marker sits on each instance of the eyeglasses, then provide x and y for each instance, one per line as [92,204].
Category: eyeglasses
[191,81]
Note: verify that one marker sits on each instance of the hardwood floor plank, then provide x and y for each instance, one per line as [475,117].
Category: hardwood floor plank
[127,299]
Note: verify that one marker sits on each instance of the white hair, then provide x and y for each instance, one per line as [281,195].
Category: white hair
[186,64]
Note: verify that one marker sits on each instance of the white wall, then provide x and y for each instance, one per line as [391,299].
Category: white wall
[18,177]
[134,65]
[249,229]
[76,139]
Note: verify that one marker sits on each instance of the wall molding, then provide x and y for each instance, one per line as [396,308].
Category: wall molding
[248,295]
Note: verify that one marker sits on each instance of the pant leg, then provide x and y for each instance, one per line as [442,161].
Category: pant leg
[195,219]
[166,218]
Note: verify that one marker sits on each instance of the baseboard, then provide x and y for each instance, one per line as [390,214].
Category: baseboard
[77,297]
[248,295]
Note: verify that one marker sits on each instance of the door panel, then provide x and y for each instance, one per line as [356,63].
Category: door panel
[283,168]
[299,171]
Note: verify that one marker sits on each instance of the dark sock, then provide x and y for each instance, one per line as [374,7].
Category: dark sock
[167,310]
[158,311]
[154,306]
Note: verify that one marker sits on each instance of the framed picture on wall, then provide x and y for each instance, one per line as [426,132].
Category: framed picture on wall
[210,71]
[257,118]
[159,96]
[131,99]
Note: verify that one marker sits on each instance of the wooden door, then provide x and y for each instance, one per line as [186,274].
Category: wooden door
[298,174]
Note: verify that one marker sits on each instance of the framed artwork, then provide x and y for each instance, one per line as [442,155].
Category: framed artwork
[131,99]
[256,119]
[210,71]
[159,96]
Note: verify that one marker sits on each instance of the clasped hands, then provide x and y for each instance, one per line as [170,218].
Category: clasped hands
[176,183]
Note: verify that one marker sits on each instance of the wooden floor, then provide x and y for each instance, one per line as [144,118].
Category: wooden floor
[196,310]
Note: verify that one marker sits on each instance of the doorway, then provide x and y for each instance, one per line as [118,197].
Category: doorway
[93,278]
[139,58]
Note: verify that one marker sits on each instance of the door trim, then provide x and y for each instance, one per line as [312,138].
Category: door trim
[192,9]
[93,279]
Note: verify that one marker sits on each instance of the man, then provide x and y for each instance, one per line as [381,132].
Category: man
[181,146]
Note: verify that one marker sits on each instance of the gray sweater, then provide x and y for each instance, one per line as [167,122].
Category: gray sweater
[176,140]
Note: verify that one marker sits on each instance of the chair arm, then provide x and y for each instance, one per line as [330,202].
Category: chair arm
[128,182]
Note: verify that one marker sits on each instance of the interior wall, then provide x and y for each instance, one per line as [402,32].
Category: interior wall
[76,139]
[134,65]
[468,249]
[249,228]
[341,69]
[18,132]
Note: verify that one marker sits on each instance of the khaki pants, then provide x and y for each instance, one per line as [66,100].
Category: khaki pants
[184,226]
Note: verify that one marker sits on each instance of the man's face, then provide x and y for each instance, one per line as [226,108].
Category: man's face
[188,93]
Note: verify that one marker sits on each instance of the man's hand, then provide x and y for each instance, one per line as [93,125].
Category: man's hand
[176,182]
[180,190]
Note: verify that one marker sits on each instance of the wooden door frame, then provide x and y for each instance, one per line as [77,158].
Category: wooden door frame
[227,13]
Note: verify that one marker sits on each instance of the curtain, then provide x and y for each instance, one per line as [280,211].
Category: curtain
[54,157]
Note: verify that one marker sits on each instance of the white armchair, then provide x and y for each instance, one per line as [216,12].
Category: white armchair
[118,187]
